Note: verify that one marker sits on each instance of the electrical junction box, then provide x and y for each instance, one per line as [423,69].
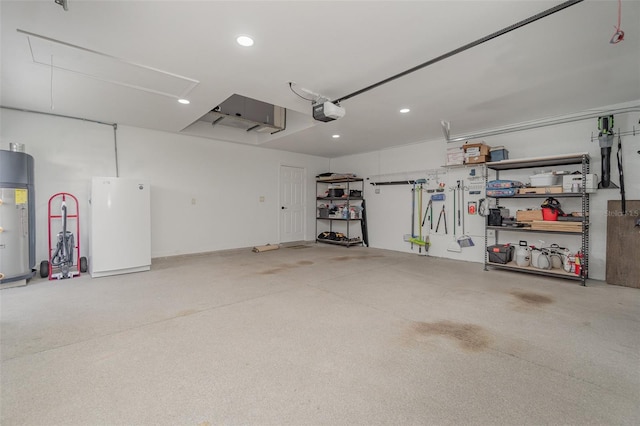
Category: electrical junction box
[569,180]
[327,111]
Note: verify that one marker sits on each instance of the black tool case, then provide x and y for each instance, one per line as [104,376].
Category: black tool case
[501,253]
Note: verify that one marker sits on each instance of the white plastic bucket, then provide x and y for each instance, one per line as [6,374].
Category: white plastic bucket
[540,260]
[523,254]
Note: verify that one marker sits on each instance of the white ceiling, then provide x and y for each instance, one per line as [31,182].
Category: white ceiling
[561,64]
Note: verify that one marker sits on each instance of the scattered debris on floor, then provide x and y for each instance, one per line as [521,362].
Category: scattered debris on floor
[268,247]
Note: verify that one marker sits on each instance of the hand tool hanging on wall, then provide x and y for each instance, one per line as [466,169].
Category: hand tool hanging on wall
[443,215]
[422,183]
[461,204]
[454,246]
[622,194]
[413,212]
[605,138]
[363,224]
[457,194]
[483,207]
[464,240]
[428,212]
[418,240]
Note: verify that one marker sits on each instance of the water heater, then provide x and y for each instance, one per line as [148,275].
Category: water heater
[17,216]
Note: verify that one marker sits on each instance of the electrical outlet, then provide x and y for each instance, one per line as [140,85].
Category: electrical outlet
[491,233]
[377,190]
[262,198]
[193,201]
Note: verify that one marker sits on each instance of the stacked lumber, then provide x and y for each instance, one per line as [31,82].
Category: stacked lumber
[549,225]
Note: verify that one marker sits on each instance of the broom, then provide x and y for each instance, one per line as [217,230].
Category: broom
[464,240]
[454,246]
[418,240]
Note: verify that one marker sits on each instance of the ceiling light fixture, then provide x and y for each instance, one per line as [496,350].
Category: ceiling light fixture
[184,101]
[245,41]
[335,136]
[405,110]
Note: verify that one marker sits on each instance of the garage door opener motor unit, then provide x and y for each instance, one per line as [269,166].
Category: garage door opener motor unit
[327,111]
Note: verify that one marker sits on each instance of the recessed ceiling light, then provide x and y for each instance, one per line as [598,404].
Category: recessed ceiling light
[244,40]
[335,136]
[184,101]
[405,110]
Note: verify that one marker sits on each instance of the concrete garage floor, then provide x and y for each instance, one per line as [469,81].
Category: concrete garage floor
[322,335]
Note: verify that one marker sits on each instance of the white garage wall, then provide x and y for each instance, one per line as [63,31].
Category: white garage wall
[389,212]
[225,180]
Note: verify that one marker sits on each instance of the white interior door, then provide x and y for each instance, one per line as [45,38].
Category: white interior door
[291,204]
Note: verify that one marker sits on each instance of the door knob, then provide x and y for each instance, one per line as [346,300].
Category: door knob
[283,208]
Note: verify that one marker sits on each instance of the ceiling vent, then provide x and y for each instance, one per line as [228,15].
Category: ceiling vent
[248,114]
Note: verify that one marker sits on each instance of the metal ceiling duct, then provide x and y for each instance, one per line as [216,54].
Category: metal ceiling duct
[247,114]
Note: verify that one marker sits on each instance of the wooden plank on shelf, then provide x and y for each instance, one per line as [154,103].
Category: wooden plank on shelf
[560,273]
[549,225]
[541,190]
[528,215]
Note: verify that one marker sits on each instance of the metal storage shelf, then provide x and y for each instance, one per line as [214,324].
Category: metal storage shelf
[339,180]
[557,160]
[339,198]
[351,184]
[531,270]
[516,229]
[561,194]
[341,243]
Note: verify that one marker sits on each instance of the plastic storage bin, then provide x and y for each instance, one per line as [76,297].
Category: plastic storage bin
[545,179]
[501,253]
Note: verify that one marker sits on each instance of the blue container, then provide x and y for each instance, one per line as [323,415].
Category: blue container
[499,154]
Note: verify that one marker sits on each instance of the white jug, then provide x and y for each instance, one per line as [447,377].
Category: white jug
[523,254]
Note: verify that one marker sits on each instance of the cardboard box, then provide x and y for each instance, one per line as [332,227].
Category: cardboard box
[477,160]
[455,156]
[569,180]
[528,215]
[541,190]
[483,148]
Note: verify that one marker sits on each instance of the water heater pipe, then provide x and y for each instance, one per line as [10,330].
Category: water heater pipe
[114,125]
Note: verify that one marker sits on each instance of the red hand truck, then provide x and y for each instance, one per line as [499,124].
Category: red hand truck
[64,258]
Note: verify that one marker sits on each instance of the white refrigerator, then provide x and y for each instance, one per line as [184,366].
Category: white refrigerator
[120,226]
